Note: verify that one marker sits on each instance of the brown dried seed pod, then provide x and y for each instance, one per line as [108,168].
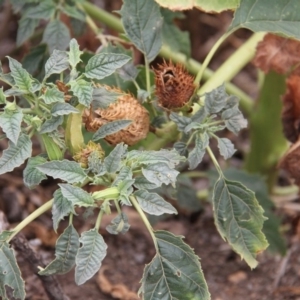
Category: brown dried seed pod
[126,107]
[174,85]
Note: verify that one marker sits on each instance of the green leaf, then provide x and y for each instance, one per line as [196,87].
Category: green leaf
[160,173]
[174,272]
[215,100]
[10,274]
[239,219]
[83,90]
[154,204]
[61,207]
[66,170]
[128,72]
[119,224]
[56,35]
[186,194]
[102,97]
[74,12]
[26,28]
[226,147]
[142,183]
[15,154]
[256,15]
[31,175]
[51,124]
[57,62]
[104,64]
[74,54]
[44,10]
[124,174]
[90,255]
[125,189]
[53,95]
[271,227]
[110,128]
[35,60]
[10,122]
[173,37]
[169,157]
[62,109]
[234,119]
[113,161]
[77,196]
[21,77]
[196,155]
[142,23]
[181,121]
[181,148]
[65,252]
[204,5]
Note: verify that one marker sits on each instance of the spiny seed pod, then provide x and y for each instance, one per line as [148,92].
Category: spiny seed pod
[174,86]
[126,107]
[82,156]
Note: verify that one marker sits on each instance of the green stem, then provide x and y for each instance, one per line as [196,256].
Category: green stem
[145,220]
[285,190]
[214,160]
[31,217]
[89,20]
[195,174]
[148,84]
[109,193]
[118,206]
[71,219]
[166,52]
[210,55]
[233,64]
[99,218]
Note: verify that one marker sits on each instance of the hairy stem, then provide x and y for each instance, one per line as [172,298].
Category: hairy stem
[109,193]
[99,218]
[233,64]
[145,220]
[31,217]
[214,160]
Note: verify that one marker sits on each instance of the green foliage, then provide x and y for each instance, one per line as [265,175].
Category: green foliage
[256,15]
[53,111]
[10,274]
[239,219]
[89,256]
[142,23]
[174,272]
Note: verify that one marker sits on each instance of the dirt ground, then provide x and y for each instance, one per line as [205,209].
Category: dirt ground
[228,278]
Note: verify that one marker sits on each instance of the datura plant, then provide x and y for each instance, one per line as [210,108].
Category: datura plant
[158,121]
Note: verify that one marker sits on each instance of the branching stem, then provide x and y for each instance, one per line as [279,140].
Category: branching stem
[145,220]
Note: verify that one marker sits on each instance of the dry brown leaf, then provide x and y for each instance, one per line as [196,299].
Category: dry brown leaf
[117,291]
[291,109]
[290,162]
[277,53]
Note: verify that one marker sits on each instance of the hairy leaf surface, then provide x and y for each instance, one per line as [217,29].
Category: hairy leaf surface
[90,255]
[104,64]
[256,15]
[76,195]
[65,251]
[142,22]
[15,154]
[10,122]
[154,204]
[174,272]
[57,62]
[10,274]
[32,176]
[66,170]
[239,219]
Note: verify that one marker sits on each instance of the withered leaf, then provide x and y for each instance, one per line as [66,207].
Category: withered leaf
[277,53]
[290,116]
